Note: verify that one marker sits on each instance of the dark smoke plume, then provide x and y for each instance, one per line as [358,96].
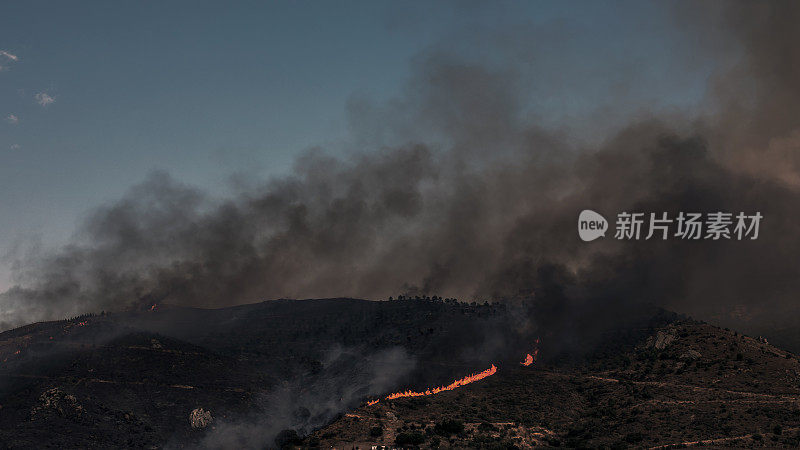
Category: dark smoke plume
[480,201]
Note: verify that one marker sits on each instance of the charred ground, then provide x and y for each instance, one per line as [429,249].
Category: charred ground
[132,379]
[686,384]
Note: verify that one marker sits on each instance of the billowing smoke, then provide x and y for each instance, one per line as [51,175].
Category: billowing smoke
[306,403]
[478,200]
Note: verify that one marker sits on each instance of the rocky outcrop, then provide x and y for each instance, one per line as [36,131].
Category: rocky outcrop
[55,401]
[691,355]
[200,418]
[660,341]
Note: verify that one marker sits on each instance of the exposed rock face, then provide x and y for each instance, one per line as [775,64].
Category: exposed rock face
[200,418]
[660,341]
[691,354]
[55,401]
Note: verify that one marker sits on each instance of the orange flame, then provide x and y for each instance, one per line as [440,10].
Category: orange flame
[80,324]
[372,402]
[530,359]
[153,308]
[455,384]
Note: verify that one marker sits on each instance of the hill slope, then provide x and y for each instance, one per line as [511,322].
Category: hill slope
[686,384]
[133,379]
[271,371]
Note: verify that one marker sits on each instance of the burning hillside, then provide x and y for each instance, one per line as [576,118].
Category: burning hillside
[464,178]
[454,385]
[529,360]
[708,386]
[232,362]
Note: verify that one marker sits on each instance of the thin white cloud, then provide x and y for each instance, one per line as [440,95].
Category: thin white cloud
[6,56]
[43,99]
[9,55]
[14,146]
[12,119]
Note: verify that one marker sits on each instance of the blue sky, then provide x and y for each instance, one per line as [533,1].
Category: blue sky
[95,95]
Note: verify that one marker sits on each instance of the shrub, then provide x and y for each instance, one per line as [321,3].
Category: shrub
[447,427]
[633,438]
[375,431]
[287,438]
[404,439]
[486,426]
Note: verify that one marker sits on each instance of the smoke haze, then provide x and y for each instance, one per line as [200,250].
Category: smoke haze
[477,200]
[302,405]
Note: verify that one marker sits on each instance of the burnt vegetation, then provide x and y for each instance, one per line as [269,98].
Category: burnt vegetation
[682,384]
[143,372]
[132,379]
